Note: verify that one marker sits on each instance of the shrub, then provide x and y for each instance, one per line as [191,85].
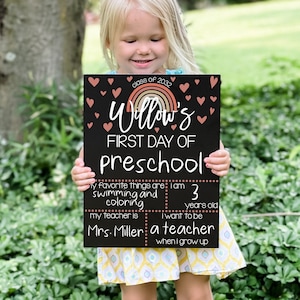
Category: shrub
[52,137]
[41,252]
[261,193]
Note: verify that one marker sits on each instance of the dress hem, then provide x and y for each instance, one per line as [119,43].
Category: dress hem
[219,274]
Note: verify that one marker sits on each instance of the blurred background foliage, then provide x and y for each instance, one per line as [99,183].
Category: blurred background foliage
[92,5]
[41,252]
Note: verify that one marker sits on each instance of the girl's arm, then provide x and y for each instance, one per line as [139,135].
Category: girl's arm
[82,176]
[219,161]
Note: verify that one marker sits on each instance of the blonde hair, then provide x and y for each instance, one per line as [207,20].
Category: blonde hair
[113,14]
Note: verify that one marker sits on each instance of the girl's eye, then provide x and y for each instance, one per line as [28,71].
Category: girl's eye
[155,40]
[130,41]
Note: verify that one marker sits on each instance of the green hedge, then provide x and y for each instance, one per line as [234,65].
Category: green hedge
[41,252]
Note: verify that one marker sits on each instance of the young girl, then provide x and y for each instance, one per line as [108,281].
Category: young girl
[146,37]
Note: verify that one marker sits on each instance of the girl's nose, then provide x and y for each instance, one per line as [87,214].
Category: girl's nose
[143,49]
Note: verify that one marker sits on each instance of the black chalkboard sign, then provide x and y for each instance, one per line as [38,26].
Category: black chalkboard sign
[145,137]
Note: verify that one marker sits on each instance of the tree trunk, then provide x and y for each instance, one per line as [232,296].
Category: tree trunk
[40,41]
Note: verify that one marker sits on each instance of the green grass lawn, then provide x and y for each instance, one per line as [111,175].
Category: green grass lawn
[255,43]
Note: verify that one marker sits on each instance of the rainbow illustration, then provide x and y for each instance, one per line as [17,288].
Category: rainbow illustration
[166,98]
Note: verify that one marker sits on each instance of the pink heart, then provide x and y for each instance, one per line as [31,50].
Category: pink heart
[173,127]
[184,87]
[201,100]
[97,115]
[213,81]
[197,81]
[90,125]
[90,102]
[110,80]
[202,120]
[107,126]
[117,92]
[129,78]
[93,81]
[213,98]
[188,97]
[103,93]
[156,129]
[211,110]
[173,78]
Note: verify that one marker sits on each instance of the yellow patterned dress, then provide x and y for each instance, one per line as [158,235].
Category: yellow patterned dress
[140,265]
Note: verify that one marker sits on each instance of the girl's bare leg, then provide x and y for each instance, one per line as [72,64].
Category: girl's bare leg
[145,291]
[193,287]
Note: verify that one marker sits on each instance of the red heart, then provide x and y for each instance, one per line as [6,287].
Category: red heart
[107,126]
[110,81]
[188,97]
[90,125]
[156,129]
[202,120]
[173,78]
[201,100]
[197,81]
[97,115]
[213,98]
[103,93]
[90,102]
[117,92]
[184,87]
[174,126]
[211,110]
[213,81]
[129,78]
[93,81]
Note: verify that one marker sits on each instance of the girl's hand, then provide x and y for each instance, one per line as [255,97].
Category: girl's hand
[219,161]
[82,176]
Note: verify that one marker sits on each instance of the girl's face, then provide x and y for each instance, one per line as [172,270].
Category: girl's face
[142,47]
